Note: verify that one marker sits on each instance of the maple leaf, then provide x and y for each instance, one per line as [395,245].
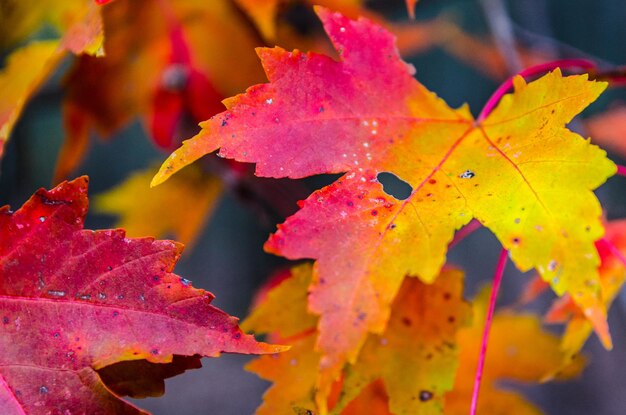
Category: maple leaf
[179,209]
[415,357]
[519,171]
[17,84]
[74,301]
[77,22]
[80,31]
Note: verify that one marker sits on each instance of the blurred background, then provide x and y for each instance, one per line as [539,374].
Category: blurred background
[101,119]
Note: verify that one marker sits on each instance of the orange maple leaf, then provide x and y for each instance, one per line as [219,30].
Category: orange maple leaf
[519,171]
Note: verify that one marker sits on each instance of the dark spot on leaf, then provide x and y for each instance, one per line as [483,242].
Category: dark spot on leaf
[116,313]
[374,212]
[432,181]
[154,351]
[237,336]
[426,396]
[5,320]
[447,296]
[406,321]
[394,186]
[451,319]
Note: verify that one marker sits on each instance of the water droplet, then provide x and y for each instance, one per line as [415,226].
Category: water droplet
[42,219]
[43,390]
[84,297]
[185,281]
[56,293]
[102,296]
[269,101]
[293,362]
[517,220]
[467,174]
[374,132]
[342,29]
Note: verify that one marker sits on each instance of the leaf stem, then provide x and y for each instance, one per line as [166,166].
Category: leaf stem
[497,279]
[465,231]
[613,249]
[533,70]
[621,170]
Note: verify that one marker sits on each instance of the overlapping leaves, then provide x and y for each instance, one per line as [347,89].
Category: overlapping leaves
[519,171]
[422,363]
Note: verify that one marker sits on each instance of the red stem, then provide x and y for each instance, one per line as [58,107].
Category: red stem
[497,279]
[465,231]
[533,70]
[616,252]
[621,170]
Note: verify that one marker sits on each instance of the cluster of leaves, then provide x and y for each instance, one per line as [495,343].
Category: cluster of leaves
[378,323]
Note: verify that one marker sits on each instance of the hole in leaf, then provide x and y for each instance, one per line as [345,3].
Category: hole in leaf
[394,186]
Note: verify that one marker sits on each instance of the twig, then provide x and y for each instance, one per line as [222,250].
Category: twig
[502,31]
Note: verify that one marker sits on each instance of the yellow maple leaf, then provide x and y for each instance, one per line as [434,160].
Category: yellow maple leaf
[416,356]
[26,69]
[79,28]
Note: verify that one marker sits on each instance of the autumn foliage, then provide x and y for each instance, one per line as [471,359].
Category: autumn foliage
[374,319]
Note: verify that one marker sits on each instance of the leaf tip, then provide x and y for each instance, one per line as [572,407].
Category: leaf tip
[597,317]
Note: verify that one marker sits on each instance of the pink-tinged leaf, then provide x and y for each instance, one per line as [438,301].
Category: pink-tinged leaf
[73,301]
[364,114]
